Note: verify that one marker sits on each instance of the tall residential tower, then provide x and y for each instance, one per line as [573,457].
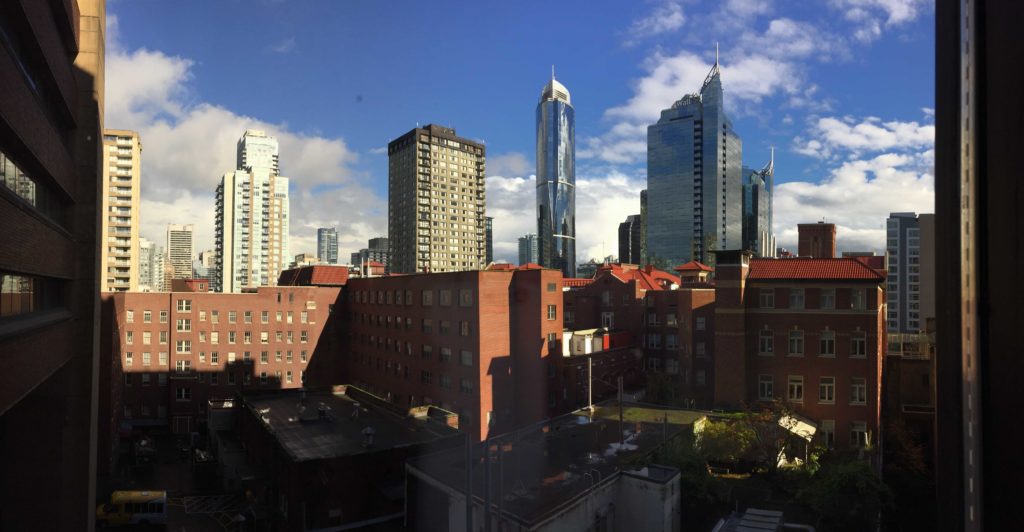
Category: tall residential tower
[436,202]
[327,245]
[694,202]
[180,249]
[252,218]
[556,179]
[122,166]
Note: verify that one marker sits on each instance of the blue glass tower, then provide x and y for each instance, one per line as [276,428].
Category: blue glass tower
[556,179]
[694,193]
[758,189]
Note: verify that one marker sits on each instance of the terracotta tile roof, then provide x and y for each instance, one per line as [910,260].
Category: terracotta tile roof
[693,266]
[530,266]
[876,262]
[806,268]
[318,275]
[648,278]
[575,282]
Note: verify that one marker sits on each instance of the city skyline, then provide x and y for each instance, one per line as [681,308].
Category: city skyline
[796,82]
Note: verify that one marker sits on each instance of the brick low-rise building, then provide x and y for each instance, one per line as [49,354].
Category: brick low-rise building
[808,331]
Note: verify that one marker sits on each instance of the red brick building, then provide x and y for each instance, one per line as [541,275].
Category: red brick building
[809,331]
[816,240]
[475,342]
[169,353]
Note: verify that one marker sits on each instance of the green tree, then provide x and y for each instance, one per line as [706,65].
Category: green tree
[725,441]
[846,495]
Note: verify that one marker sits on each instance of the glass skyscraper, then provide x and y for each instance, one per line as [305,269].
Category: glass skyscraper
[694,194]
[327,245]
[556,179]
[758,189]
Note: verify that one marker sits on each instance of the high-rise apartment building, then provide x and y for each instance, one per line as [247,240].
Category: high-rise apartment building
[528,249]
[643,227]
[695,197]
[758,187]
[51,190]
[151,267]
[327,245]
[252,218]
[910,294]
[180,249]
[436,202]
[119,254]
[556,179]
[375,251]
[489,239]
[629,240]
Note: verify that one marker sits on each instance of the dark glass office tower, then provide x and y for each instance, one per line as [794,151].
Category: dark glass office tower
[556,179]
[758,190]
[694,202]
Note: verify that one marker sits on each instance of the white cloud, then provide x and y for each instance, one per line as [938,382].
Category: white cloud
[665,18]
[858,196]
[832,136]
[928,112]
[870,16]
[602,202]
[513,163]
[284,46]
[188,145]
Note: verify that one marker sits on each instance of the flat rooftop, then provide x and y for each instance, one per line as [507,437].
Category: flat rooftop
[546,465]
[314,425]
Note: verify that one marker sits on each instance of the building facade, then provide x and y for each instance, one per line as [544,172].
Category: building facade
[556,179]
[151,267]
[376,251]
[436,202]
[475,343]
[252,217]
[807,331]
[122,168]
[695,195]
[817,240]
[52,57]
[528,249]
[910,246]
[489,239]
[180,249]
[629,240]
[758,191]
[327,245]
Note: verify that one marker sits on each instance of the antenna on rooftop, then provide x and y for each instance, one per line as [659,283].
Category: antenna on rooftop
[716,52]
[552,72]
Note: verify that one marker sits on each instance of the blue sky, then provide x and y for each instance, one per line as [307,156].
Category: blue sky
[843,90]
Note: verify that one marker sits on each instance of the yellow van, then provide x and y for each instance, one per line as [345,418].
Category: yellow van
[133,508]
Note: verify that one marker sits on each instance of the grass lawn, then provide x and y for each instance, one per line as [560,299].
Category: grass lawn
[632,413]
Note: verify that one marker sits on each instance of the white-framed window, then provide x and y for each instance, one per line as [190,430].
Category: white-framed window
[184,305]
[163,358]
[147,316]
[654,341]
[465,297]
[552,312]
[146,379]
[232,316]
[766,298]
[265,317]
[129,316]
[183,325]
[652,318]
[765,387]
[147,359]
[766,342]
[426,298]
[214,337]
[653,364]
[465,386]
[183,366]
[858,434]
[858,391]
[183,346]
[161,379]
[445,298]
[129,337]
[795,390]
[147,337]
[183,393]
[796,298]
[857,299]
[701,324]
[828,298]
[827,390]
[202,315]
[214,316]
[466,358]
[163,337]
[827,344]
[671,341]
[247,316]
[828,432]
[264,337]
[796,343]
[163,316]
[128,358]
[671,321]
[858,344]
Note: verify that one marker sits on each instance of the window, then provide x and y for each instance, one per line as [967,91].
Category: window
[202,357]
[445,298]
[147,359]
[303,336]
[231,358]
[796,343]
[446,354]
[828,298]
[428,325]
[427,298]
[247,316]
[184,305]
[147,337]
[128,358]
[263,377]
[202,336]
[183,346]
[163,358]
[214,357]
[303,357]
[129,316]
[765,387]
[183,394]
[796,298]
[291,337]
[465,386]
[288,356]
[828,432]
[163,337]
[700,377]
[445,327]
[277,356]
[127,379]
[288,376]
[264,337]
[766,342]
[700,323]
[464,328]
[426,377]
[232,316]
[303,317]
[265,316]
[700,350]
[213,379]
[247,337]
[857,300]
[608,320]
[184,325]
[858,345]
[147,316]
[827,390]
[654,341]
[465,297]
[202,315]
[214,338]
[264,357]
[279,315]
[446,382]
[183,366]
[129,337]
[796,388]
[858,391]
[766,298]
[827,344]
[670,320]
[231,337]
[671,341]
[427,351]
[466,358]
[247,356]
[552,312]
[146,379]
[161,379]
[290,317]
[858,434]
[652,318]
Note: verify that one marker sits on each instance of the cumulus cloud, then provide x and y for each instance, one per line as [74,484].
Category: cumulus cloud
[665,18]
[858,196]
[869,17]
[513,163]
[832,136]
[188,144]
[602,202]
